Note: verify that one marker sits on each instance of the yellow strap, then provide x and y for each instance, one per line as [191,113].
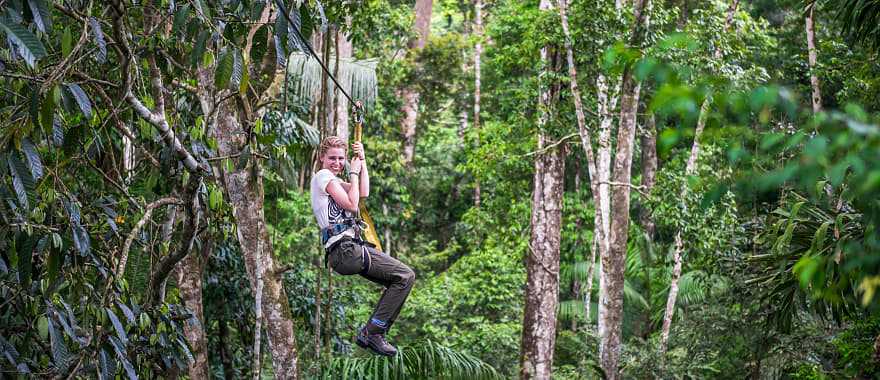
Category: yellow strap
[370,232]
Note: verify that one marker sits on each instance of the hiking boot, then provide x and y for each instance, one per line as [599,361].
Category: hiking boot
[375,343]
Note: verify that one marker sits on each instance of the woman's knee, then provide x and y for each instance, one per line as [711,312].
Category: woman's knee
[408,276]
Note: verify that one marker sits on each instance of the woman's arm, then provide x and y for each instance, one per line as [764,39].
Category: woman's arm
[358,149]
[349,198]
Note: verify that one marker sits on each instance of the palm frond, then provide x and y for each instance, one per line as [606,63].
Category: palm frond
[861,21]
[357,77]
[578,271]
[569,310]
[425,360]
[632,295]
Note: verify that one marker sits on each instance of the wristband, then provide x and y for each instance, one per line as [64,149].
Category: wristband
[353,174]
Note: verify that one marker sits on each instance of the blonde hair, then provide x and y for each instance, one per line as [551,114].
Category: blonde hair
[330,143]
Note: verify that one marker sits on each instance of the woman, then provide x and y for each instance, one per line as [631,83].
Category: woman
[335,204]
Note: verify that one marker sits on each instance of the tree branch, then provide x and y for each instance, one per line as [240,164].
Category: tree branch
[123,257]
[190,233]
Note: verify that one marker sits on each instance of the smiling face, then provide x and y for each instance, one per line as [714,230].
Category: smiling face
[333,160]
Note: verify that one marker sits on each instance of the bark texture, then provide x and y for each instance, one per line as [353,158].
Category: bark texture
[542,264]
[478,55]
[410,94]
[811,54]
[614,262]
[188,274]
[245,190]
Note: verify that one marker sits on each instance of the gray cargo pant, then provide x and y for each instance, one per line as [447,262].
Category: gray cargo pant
[349,257]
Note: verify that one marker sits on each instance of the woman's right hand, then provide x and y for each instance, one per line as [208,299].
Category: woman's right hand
[356,165]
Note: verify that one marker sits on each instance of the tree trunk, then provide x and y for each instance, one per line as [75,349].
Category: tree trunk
[245,189]
[188,274]
[602,195]
[614,263]
[649,171]
[409,94]
[598,174]
[690,169]
[542,265]
[811,54]
[478,54]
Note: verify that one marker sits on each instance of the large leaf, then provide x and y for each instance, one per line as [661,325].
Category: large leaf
[237,69]
[80,236]
[180,18]
[199,48]
[57,132]
[85,105]
[22,181]
[33,158]
[42,16]
[60,353]
[26,43]
[99,39]
[294,42]
[121,354]
[106,366]
[223,73]
[120,329]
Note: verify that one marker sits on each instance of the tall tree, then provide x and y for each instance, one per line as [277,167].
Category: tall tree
[586,143]
[613,263]
[810,24]
[542,265]
[478,54]
[410,94]
[690,169]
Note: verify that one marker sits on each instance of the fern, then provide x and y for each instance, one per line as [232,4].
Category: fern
[426,360]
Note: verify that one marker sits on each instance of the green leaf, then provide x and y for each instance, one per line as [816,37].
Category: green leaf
[22,181]
[107,366]
[54,264]
[25,248]
[224,69]
[42,16]
[120,330]
[85,105]
[237,69]
[80,236]
[33,158]
[47,113]
[180,18]
[120,353]
[199,48]
[127,311]
[99,39]
[57,132]
[66,43]
[26,43]
[60,353]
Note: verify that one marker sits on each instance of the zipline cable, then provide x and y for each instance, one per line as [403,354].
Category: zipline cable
[311,51]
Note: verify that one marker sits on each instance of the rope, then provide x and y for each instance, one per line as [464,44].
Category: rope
[311,51]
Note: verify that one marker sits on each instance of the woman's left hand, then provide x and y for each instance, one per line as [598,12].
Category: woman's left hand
[358,150]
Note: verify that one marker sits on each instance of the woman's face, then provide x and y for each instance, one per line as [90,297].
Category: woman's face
[333,160]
